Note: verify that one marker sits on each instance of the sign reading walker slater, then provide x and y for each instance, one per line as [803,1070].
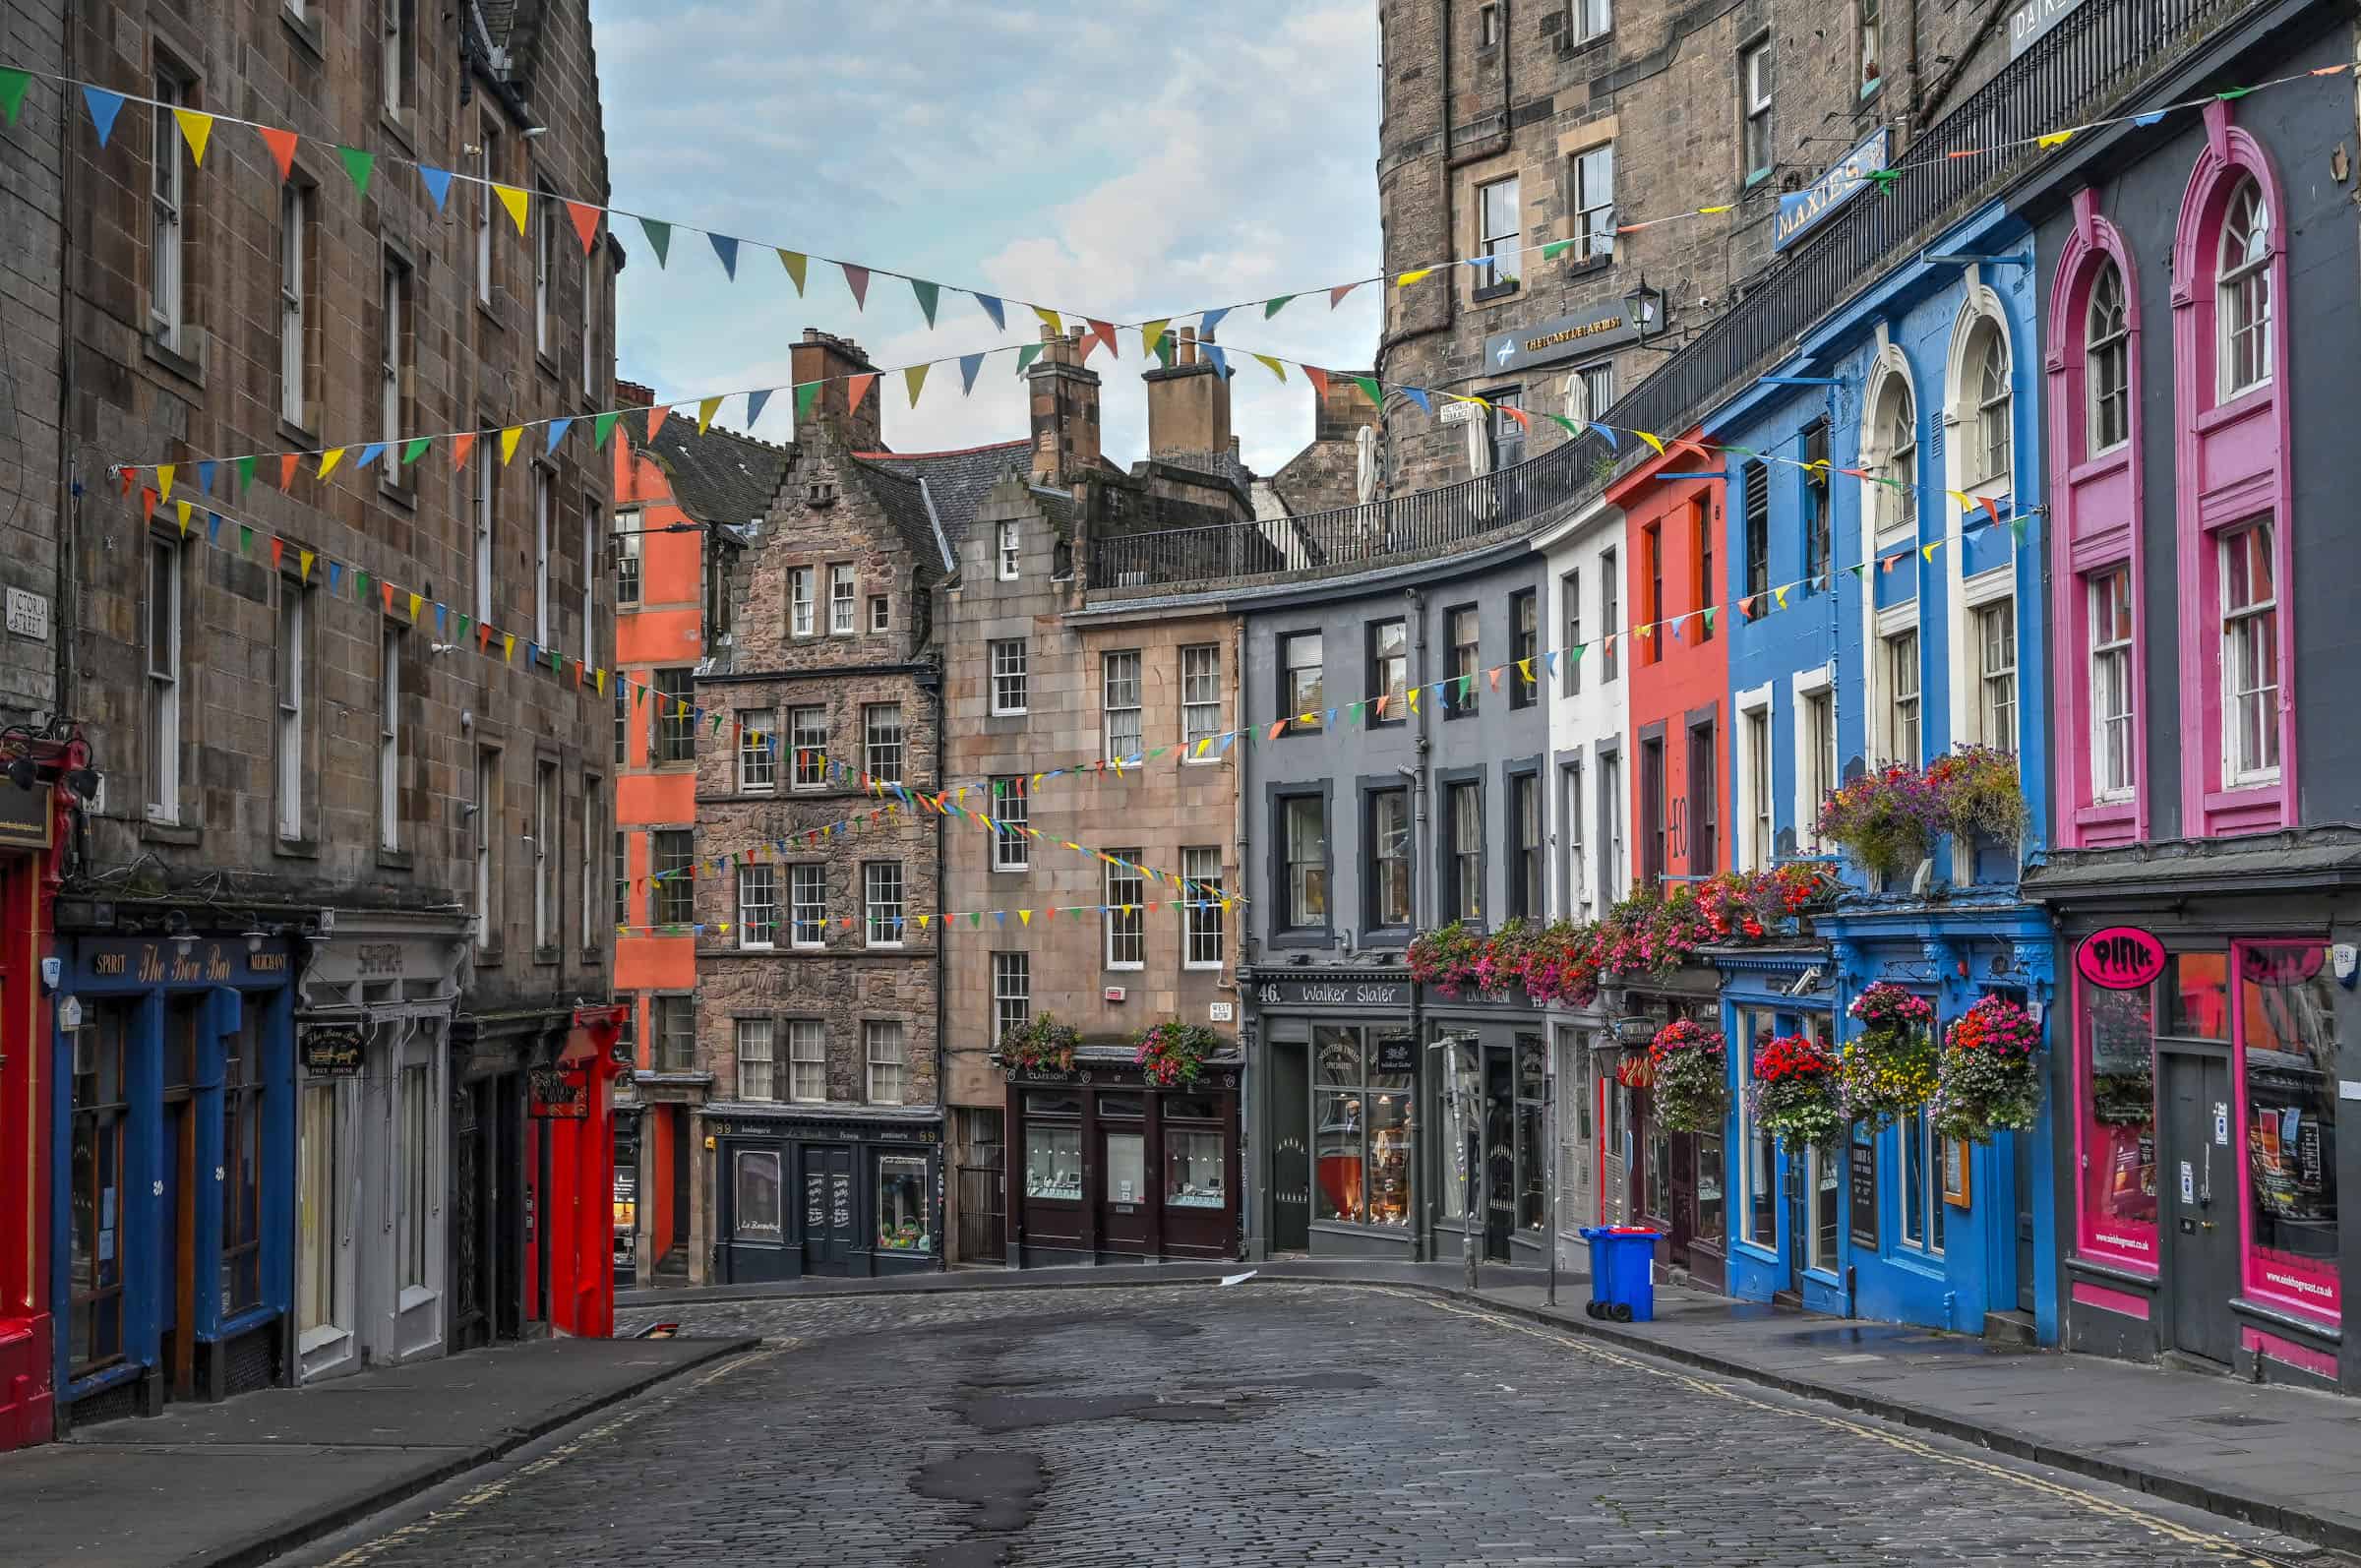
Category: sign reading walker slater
[1332,993]
[1584,331]
[2032,18]
[1798,211]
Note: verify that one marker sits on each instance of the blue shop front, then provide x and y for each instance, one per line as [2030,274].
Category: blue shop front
[1951,1234]
[1786,1205]
[174,1161]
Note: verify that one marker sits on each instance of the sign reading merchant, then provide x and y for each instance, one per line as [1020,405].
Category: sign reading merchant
[1798,211]
[23,815]
[1583,332]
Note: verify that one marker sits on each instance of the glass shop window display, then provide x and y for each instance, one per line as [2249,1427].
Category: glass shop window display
[1192,1156]
[2287,1040]
[1361,1126]
[1126,1162]
[1053,1149]
[902,1203]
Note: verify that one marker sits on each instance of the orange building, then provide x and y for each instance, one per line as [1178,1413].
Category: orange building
[682,504]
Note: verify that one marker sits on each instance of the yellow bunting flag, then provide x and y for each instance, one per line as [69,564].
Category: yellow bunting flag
[922,921]
[914,377]
[1273,366]
[1709,211]
[508,647]
[1651,440]
[1152,332]
[1525,668]
[514,199]
[303,565]
[196,129]
[416,600]
[163,479]
[329,461]
[1024,916]
[1050,319]
[1961,498]
[185,511]
[2056,138]
[1928,551]
[1781,595]
[707,408]
[507,443]
[1414,699]
[1410,277]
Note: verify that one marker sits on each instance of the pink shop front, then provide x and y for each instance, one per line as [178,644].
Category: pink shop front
[2205,1086]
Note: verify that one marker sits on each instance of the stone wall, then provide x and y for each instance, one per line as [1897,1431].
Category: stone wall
[32,212]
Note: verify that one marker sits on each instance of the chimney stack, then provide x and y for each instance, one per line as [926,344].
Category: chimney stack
[828,359]
[1065,410]
[1188,403]
[631,395]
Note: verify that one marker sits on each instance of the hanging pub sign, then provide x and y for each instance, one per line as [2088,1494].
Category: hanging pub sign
[332,1051]
[2120,958]
[557,1095]
[25,816]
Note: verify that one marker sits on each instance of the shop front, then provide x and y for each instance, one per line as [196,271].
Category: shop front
[1581,1051]
[1495,1148]
[493,1273]
[33,821]
[1951,1234]
[372,1028]
[572,1135]
[2204,1076]
[1112,1169]
[829,1190]
[172,1175]
[1339,1077]
[1650,1173]
[1785,1208]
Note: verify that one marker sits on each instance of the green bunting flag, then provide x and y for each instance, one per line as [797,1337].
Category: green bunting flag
[1272,307]
[805,397]
[416,449]
[1709,620]
[659,238]
[12,93]
[1026,355]
[927,294]
[245,540]
[1370,385]
[1164,351]
[1555,249]
[245,474]
[601,428]
[358,166]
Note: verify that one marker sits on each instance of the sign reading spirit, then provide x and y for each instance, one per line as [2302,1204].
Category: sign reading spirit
[2120,958]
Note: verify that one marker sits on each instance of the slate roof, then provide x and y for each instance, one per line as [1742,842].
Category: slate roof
[955,480]
[719,476]
[904,499]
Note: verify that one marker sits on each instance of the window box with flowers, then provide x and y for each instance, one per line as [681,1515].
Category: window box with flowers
[1172,1055]
[1041,1044]
[1983,807]
[1887,822]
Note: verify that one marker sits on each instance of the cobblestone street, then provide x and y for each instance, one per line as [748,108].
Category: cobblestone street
[1272,1423]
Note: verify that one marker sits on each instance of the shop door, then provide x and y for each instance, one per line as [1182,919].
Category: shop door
[1291,1153]
[1499,1153]
[178,1275]
[1681,1204]
[1578,1195]
[2021,1154]
[1123,1199]
[2202,1196]
[676,1257]
[828,1192]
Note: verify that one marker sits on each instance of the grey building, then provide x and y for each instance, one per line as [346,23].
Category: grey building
[1369,817]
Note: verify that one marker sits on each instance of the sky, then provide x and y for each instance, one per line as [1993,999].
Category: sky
[1123,158]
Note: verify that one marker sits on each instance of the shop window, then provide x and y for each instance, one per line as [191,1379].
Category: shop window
[317,1229]
[1824,1174]
[2287,1095]
[1758,1156]
[755,1195]
[100,1112]
[1921,1183]
[418,1168]
[1126,1176]
[1361,1126]
[1192,1167]
[902,1203]
[242,1170]
[1053,1158]
[2119,1125]
[1532,1143]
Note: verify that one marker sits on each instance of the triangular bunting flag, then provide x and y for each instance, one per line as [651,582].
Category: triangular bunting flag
[659,238]
[286,467]
[1318,378]
[1336,294]
[516,201]
[369,455]
[329,461]
[1151,333]
[1104,332]
[655,419]
[461,445]
[557,433]
[856,279]
[926,293]
[1370,387]
[436,181]
[245,474]
[303,565]
[992,308]
[358,166]
[805,397]
[755,401]
[165,473]
[1410,277]
[726,248]
[1651,440]
[196,129]
[969,364]
[1419,395]
[1026,355]
[856,388]
[1050,320]
[103,106]
[914,377]
[707,408]
[415,448]
[1272,307]
[509,439]
[1273,366]
[585,222]
[12,93]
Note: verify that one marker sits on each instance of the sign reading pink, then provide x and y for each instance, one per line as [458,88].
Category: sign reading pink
[2120,958]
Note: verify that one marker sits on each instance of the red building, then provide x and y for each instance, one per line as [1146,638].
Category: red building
[570,1155]
[1678,666]
[680,499]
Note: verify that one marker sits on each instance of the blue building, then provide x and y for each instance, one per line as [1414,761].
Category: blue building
[1890,609]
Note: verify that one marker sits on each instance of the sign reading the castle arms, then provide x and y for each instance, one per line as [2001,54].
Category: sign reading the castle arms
[23,815]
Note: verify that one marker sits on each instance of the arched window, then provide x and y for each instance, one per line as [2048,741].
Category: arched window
[1988,357]
[2107,363]
[2243,292]
[1896,432]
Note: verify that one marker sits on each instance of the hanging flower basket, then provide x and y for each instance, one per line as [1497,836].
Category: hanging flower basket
[1887,820]
[1986,1080]
[1171,1053]
[1794,1095]
[1887,1070]
[1445,959]
[1982,793]
[1040,1044]
[1692,1087]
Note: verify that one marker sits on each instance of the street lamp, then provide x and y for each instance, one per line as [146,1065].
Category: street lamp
[1644,309]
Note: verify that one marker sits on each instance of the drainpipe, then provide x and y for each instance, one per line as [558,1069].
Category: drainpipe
[1249,1106]
[931,682]
[1421,896]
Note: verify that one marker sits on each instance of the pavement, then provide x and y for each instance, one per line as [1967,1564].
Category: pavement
[2285,1458]
[238,1483]
[1289,1422]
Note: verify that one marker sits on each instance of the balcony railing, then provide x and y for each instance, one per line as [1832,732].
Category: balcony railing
[2088,61]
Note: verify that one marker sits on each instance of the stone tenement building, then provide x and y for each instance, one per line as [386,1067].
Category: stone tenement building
[1508,126]
[331,827]
[1037,680]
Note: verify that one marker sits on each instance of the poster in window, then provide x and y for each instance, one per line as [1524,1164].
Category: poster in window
[1861,1191]
[1956,1173]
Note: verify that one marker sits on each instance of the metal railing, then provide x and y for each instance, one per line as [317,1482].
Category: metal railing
[2073,72]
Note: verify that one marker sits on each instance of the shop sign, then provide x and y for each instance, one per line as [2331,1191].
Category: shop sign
[2281,965]
[167,962]
[24,816]
[332,1051]
[1397,1054]
[1333,993]
[2120,958]
[2029,22]
[1560,338]
[1798,211]
[557,1095]
[1635,1031]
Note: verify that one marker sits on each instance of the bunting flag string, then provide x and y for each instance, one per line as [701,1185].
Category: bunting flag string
[1047,914]
[196,128]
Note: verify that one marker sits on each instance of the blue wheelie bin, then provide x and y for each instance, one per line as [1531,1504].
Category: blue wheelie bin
[1622,1277]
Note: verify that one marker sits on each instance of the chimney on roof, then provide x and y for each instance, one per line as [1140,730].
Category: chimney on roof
[631,395]
[831,361]
[1188,403]
[1065,410]
[1343,411]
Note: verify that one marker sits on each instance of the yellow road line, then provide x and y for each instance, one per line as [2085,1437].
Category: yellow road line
[555,1457]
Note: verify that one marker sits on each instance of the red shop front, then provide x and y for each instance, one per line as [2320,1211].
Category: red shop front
[571,1154]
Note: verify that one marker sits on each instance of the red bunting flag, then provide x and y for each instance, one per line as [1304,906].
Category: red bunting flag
[147,504]
[856,279]
[461,445]
[1336,294]
[1318,378]
[1495,673]
[286,468]
[1104,332]
[282,148]
[857,388]
[1991,507]
[585,222]
[1517,414]
[279,547]
[483,636]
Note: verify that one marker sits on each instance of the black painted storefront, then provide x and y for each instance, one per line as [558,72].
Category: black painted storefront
[844,1194]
